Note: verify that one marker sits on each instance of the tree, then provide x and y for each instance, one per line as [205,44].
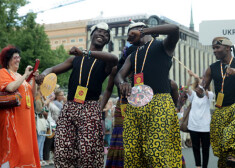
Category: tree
[33,43]
[30,38]
[60,55]
[9,19]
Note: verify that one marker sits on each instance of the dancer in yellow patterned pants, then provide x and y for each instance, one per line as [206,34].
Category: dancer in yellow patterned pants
[151,135]
[223,133]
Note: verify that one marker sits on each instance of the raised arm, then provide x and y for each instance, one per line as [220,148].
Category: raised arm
[60,68]
[172,32]
[57,69]
[110,59]
[13,86]
[206,79]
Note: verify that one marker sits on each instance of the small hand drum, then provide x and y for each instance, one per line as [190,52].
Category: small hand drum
[140,95]
[48,85]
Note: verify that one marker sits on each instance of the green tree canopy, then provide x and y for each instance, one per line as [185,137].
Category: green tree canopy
[9,19]
[30,38]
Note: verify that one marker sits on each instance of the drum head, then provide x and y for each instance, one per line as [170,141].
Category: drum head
[140,95]
[48,85]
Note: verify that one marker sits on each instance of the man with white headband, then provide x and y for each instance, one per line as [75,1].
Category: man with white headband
[79,136]
[151,132]
[222,128]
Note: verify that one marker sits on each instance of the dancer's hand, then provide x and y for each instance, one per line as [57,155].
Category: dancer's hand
[75,51]
[39,79]
[125,89]
[230,71]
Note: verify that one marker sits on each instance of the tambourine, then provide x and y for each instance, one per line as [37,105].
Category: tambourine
[48,85]
[140,95]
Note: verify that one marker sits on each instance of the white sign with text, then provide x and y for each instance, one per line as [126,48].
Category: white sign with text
[208,30]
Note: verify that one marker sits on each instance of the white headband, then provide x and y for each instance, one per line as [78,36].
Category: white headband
[101,25]
[137,24]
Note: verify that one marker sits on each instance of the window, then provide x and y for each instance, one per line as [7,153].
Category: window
[116,31]
[121,44]
[56,42]
[72,40]
[64,41]
[80,40]
[123,31]
[183,36]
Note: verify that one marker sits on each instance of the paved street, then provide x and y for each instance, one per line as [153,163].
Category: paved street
[188,155]
[189,159]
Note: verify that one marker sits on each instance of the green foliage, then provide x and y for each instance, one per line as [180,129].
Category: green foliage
[60,55]
[30,38]
[9,19]
[33,43]
[114,93]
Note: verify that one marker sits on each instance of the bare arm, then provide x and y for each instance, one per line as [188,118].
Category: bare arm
[57,69]
[206,79]
[60,68]
[174,92]
[34,87]
[13,86]
[191,74]
[172,32]
[110,59]
[189,81]
[125,88]
[109,89]
[169,43]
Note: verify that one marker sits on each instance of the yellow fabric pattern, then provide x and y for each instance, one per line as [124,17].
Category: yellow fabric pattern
[152,135]
[222,132]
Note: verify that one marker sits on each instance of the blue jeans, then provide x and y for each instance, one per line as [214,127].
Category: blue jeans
[41,140]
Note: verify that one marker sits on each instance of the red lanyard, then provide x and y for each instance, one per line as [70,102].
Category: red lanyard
[224,74]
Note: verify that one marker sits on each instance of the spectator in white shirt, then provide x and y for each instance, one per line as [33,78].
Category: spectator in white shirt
[199,120]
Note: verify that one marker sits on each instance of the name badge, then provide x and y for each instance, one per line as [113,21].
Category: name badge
[220,99]
[123,109]
[28,103]
[80,94]
[138,79]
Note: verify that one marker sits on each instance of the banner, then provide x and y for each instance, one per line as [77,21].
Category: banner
[208,30]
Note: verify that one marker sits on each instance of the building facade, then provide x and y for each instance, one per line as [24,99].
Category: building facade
[68,34]
[188,51]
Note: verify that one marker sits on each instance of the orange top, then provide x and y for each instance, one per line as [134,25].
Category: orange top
[18,138]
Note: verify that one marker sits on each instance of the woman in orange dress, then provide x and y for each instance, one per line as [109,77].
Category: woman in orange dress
[18,139]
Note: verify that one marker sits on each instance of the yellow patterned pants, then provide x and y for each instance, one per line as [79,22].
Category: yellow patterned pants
[151,135]
[223,133]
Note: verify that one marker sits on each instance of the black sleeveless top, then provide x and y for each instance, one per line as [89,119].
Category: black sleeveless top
[229,82]
[156,68]
[97,77]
